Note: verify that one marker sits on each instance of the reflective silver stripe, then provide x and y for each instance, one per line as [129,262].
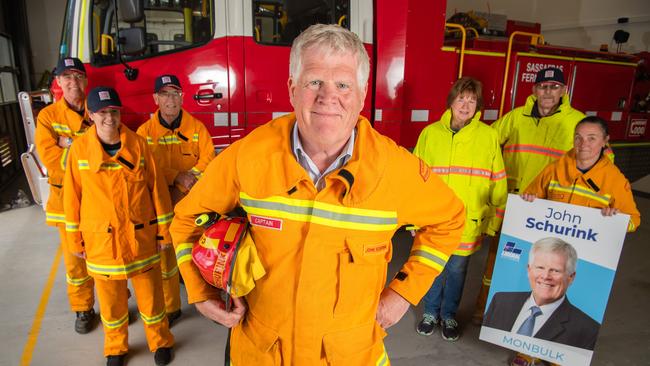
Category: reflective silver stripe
[536,149]
[123,269]
[429,256]
[153,319]
[116,323]
[311,211]
[579,190]
[460,170]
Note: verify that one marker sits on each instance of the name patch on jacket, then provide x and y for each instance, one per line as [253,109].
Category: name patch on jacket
[266,222]
[375,249]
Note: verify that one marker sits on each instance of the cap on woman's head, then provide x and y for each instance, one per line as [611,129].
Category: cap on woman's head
[102,97]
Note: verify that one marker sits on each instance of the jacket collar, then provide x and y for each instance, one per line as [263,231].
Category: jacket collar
[568,161]
[125,156]
[365,168]
[184,129]
[74,119]
[565,105]
[445,119]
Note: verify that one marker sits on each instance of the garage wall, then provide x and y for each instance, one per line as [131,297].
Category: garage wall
[575,23]
[45,22]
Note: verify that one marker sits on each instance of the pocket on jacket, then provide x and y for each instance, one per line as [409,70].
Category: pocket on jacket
[253,343]
[361,345]
[189,154]
[139,196]
[98,238]
[362,274]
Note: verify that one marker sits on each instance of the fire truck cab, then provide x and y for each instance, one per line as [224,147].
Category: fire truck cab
[232,59]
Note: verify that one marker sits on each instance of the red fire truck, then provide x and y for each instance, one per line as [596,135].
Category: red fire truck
[231,57]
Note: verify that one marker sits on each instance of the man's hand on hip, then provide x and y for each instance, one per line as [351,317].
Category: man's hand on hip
[391,309]
[215,310]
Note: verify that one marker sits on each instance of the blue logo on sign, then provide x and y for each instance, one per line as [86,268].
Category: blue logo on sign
[510,251]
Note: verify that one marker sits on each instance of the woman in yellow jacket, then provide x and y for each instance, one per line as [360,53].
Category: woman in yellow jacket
[583,177]
[465,153]
[117,210]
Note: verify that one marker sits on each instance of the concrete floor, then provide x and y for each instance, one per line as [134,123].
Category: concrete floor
[28,263]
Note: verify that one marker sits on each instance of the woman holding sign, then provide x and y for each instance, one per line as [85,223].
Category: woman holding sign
[585,177]
[464,152]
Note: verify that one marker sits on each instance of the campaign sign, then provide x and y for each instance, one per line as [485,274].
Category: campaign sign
[553,307]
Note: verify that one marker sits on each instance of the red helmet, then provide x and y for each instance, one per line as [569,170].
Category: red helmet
[215,252]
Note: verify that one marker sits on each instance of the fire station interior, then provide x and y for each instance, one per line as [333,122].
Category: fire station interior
[37,325]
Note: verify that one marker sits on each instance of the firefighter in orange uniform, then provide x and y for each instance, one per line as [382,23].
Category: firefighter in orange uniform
[585,177]
[183,148]
[117,212]
[57,126]
[324,194]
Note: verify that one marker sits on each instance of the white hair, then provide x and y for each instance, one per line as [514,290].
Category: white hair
[558,246]
[330,38]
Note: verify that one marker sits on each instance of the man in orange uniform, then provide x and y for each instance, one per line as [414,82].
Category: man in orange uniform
[183,148]
[117,212]
[57,126]
[324,193]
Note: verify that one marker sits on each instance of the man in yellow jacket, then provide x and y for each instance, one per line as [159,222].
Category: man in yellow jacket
[117,213]
[57,125]
[464,152]
[324,194]
[183,148]
[539,132]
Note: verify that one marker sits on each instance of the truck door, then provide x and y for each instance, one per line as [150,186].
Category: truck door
[155,37]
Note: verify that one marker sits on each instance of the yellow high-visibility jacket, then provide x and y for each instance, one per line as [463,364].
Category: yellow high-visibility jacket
[54,121]
[602,186]
[116,208]
[529,144]
[470,162]
[325,252]
[188,148]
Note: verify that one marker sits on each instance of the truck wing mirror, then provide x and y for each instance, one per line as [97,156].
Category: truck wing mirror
[131,11]
[132,41]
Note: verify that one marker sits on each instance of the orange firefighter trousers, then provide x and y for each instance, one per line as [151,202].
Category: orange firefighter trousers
[113,306]
[80,284]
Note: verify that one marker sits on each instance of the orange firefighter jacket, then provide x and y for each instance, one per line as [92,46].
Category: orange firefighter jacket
[116,208]
[602,186]
[470,162]
[53,121]
[529,143]
[188,148]
[325,252]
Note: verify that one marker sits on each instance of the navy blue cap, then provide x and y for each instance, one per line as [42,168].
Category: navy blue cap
[552,74]
[166,80]
[69,63]
[102,97]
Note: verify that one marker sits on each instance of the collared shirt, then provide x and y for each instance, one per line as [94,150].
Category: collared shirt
[547,311]
[305,161]
[176,123]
